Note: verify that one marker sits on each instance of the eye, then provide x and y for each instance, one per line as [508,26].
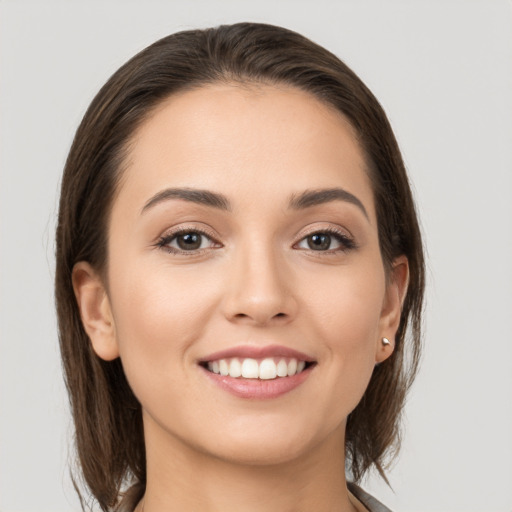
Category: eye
[327,240]
[186,241]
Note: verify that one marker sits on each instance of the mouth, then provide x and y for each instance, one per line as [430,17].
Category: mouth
[268,368]
[258,372]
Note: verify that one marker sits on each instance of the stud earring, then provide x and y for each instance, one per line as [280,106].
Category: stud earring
[385,342]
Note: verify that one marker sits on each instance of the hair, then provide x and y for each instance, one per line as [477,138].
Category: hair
[109,434]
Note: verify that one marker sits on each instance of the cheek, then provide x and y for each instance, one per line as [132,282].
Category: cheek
[158,314]
[347,303]
[345,313]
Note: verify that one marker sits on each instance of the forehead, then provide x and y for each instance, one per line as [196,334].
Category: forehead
[247,141]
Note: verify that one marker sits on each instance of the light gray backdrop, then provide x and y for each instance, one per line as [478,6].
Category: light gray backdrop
[442,70]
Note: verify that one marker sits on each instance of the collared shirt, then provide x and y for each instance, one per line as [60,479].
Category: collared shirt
[368,501]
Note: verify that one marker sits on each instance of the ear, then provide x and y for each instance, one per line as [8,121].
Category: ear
[95,310]
[396,291]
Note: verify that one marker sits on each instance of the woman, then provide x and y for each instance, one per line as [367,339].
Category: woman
[238,261]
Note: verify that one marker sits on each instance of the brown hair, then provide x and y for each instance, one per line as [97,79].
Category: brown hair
[107,416]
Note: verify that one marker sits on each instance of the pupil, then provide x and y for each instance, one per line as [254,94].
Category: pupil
[189,241]
[319,242]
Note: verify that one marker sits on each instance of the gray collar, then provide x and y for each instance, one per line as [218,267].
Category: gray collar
[368,501]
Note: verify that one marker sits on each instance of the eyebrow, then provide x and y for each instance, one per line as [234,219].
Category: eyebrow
[204,197]
[321,196]
[301,201]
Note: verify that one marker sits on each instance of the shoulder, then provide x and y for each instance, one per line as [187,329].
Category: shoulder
[366,499]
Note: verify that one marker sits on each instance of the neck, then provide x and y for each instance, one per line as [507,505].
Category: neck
[180,477]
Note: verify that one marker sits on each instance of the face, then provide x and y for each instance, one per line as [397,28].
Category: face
[247,296]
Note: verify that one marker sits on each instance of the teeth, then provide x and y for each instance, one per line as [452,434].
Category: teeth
[248,368]
[282,368]
[235,368]
[268,369]
[223,367]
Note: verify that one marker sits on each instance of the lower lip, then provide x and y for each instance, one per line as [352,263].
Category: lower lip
[258,389]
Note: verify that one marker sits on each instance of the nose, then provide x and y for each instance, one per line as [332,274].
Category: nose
[259,289]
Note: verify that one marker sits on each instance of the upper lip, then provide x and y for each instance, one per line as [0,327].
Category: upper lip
[257,352]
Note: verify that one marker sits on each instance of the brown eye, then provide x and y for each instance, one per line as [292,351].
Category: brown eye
[319,242]
[189,241]
[326,241]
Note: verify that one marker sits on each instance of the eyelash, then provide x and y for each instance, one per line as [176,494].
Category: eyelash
[347,243]
[342,238]
[164,241]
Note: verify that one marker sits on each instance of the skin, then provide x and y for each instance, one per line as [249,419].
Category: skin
[255,281]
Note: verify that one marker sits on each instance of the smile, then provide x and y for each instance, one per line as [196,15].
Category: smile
[263,369]
[254,372]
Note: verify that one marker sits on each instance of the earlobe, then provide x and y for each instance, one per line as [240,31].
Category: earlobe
[396,291]
[95,310]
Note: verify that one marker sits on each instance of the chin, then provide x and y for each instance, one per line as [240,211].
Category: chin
[260,452]
[264,445]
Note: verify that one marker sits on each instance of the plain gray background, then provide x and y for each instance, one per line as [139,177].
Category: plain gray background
[441,69]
